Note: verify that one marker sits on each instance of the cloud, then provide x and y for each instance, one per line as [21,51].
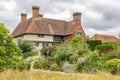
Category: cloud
[98,16]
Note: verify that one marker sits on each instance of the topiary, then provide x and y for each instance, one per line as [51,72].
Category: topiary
[113,66]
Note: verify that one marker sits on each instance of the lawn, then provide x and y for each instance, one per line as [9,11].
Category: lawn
[50,75]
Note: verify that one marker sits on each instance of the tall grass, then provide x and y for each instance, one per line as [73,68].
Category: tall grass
[48,75]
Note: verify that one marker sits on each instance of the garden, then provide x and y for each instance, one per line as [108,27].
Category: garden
[79,56]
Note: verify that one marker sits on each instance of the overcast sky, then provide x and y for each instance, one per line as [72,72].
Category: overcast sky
[98,16]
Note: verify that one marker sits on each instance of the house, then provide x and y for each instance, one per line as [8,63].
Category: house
[47,32]
[104,38]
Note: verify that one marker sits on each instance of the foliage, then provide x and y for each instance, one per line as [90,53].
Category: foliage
[29,54]
[94,62]
[81,63]
[119,35]
[20,64]
[73,58]
[76,40]
[79,46]
[69,68]
[113,65]
[106,46]
[46,51]
[9,52]
[70,52]
[38,62]
[89,62]
[111,56]
[62,53]
[118,47]
[25,45]
[93,43]
[55,67]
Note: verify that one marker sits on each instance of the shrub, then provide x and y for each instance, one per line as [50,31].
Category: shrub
[73,58]
[113,65]
[25,45]
[81,62]
[94,61]
[21,64]
[93,43]
[106,46]
[77,40]
[91,62]
[111,56]
[46,51]
[67,67]
[63,53]
[55,67]
[39,62]
[29,54]
[79,46]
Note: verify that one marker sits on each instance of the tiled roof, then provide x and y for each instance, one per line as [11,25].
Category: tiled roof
[43,26]
[104,38]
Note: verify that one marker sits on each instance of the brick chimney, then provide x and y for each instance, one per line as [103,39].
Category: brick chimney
[23,17]
[77,16]
[35,11]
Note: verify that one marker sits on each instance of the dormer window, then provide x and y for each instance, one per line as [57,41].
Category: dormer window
[40,36]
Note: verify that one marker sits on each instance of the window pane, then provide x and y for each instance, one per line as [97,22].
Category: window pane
[40,35]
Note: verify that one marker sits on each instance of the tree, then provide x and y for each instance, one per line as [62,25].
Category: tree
[26,47]
[9,52]
[119,35]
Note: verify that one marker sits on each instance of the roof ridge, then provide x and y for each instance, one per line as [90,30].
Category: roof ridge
[105,34]
[55,19]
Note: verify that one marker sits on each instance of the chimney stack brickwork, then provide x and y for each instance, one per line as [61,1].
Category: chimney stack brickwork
[77,26]
[77,16]
[23,17]
[35,11]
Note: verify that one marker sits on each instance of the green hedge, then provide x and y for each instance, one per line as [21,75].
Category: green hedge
[93,43]
[106,46]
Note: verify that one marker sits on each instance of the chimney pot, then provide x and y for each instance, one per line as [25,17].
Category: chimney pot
[77,16]
[40,15]
[35,11]
[23,17]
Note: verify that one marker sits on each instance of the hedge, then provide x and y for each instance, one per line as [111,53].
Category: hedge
[93,43]
[106,46]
